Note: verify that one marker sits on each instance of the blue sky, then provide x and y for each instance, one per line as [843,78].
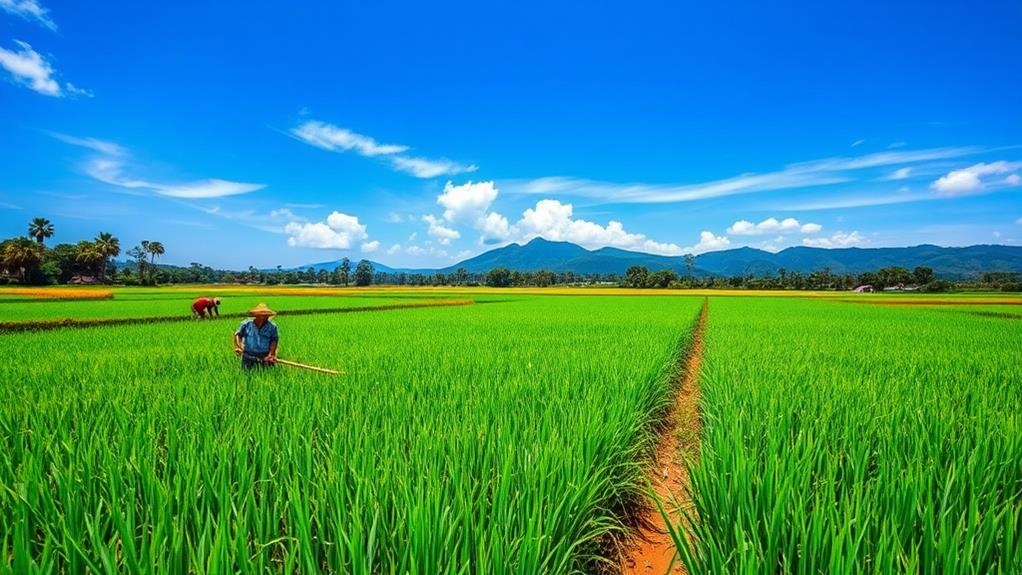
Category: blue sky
[417,134]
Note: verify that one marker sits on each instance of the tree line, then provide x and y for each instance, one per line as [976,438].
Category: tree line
[28,260]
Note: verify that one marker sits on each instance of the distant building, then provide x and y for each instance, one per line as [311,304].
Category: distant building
[864,289]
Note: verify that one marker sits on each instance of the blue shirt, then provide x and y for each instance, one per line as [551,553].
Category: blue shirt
[257,339]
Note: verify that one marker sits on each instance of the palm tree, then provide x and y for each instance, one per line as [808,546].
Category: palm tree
[155,250]
[110,248]
[40,229]
[90,256]
[21,254]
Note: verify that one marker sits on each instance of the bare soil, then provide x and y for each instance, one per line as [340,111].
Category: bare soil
[651,550]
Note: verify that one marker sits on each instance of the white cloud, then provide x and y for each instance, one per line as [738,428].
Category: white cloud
[94,144]
[432,251]
[971,180]
[553,220]
[900,174]
[111,171]
[494,228]
[800,175]
[370,247]
[30,69]
[340,231]
[1013,180]
[29,10]
[334,139]
[286,214]
[212,188]
[771,226]
[426,168]
[767,226]
[838,240]
[393,249]
[858,143]
[707,243]
[397,218]
[463,254]
[109,167]
[438,230]
[467,202]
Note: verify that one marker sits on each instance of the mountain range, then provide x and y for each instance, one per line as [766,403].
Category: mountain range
[542,254]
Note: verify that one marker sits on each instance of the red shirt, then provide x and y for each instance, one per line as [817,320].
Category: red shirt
[202,304]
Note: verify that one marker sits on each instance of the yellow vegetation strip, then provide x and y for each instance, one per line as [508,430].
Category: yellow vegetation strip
[652,550]
[8,327]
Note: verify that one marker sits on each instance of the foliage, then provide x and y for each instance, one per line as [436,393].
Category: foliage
[502,438]
[857,439]
[363,273]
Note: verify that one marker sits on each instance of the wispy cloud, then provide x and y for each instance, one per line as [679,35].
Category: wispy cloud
[111,165]
[29,10]
[9,206]
[426,168]
[821,172]
[858,143]
[336,139]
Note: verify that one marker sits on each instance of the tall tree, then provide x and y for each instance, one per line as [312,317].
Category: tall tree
[690,264]
[110,247]
[40,229]
[364,273]
[21,255]
[89,257]
[345,271]
[155,250]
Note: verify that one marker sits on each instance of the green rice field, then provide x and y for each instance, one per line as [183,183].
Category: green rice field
[514,434]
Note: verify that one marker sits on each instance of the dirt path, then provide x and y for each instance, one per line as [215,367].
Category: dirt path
[652,549]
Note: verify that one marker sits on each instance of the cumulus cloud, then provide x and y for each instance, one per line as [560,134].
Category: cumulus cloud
[393,249]
[772,226]
[336,139]
[340,231]
[438,230]
[838,240]
[975,178]
[467,202]
[707,243]
[370,247]
[29,10]
[554,221]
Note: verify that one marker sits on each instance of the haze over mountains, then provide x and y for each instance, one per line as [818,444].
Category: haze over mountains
[542,254]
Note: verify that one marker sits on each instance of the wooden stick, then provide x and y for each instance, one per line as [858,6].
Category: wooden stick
[309,367]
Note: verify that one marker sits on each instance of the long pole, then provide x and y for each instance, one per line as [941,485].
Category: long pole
[309,367]
[295,364]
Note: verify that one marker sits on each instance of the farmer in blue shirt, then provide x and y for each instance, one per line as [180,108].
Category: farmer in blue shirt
[256,339]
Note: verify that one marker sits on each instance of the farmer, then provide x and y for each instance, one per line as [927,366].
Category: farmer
[256,339]
[205,307]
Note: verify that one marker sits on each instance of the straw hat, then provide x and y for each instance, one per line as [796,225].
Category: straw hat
[216,301]
[261,309]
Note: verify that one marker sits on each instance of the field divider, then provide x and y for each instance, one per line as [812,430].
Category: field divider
[43,325]
[652,547]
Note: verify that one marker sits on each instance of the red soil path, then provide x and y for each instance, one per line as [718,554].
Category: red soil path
[652,550]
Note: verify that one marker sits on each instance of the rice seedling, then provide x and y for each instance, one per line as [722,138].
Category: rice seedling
[857,439]
[502,438]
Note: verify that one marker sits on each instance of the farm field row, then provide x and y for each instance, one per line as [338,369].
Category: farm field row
[128,306]
[855,439]
[504,438]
